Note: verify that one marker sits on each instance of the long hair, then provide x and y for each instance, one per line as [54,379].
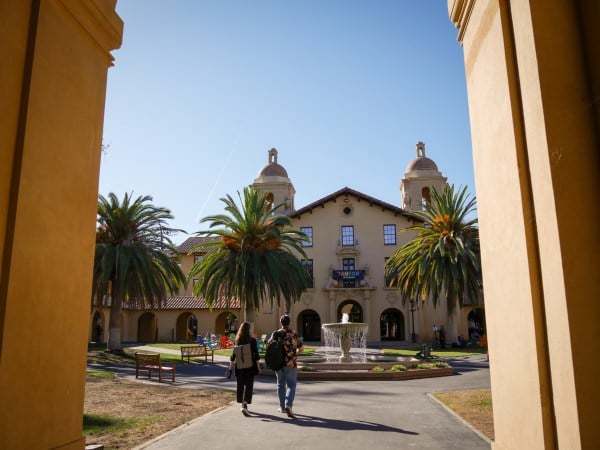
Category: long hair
[243,334]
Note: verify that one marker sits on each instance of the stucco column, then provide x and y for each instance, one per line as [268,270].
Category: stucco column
[532,71]
[55,57]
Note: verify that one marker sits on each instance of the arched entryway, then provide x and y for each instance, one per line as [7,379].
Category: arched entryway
[147,328]
[98,327]
[226,323]
[309,324]
[391,325]
[476,321]
[186,328]
[353,309]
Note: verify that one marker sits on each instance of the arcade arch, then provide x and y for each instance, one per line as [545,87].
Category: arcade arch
[392,325]
[186,327]
[309,324]
[353,309]
[97,327]
[147,327]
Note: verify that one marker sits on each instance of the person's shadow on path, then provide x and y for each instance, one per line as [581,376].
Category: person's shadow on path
[335,424]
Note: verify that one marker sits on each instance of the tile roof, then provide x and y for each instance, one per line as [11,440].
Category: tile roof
[192,242]
[189,302]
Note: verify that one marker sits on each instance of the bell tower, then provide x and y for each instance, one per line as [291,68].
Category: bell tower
[421,177]
[274,181]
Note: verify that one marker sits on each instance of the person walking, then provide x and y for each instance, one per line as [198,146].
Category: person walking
[245,358]
[287,376]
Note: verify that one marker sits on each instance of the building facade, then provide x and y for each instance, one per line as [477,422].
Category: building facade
[351,236]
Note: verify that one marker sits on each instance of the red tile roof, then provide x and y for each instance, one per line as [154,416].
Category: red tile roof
[192,242]
[191,302]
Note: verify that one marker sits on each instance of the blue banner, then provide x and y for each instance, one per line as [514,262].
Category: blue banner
[348,275]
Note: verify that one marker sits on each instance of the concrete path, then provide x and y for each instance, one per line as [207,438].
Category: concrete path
[346,414]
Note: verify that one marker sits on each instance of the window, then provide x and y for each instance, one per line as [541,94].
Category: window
[348,264]
[347,235]
[425,198]
[197,258]
[270,200]
[309,232]
[194,282]
[389,235]
[308,266]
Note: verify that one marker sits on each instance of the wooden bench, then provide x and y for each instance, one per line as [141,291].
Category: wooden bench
[192,351]
[151,362]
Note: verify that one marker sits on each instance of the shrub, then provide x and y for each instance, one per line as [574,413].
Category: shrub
[398,368]
[424,366]
[377,369]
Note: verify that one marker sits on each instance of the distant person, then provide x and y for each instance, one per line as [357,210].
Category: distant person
[245,375]
[442,333]
[99,332]
[461,341]
[287,376]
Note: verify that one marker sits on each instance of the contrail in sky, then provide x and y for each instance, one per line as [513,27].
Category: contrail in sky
[214,186]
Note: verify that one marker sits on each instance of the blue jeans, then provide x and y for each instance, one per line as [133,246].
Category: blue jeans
[286,386]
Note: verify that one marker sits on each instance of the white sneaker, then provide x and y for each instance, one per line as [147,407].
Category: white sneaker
[280,409]
[289,412]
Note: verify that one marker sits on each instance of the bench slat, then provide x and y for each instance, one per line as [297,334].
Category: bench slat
[190,351]
[150,362]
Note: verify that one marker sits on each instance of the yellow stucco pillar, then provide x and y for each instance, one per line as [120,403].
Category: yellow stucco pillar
[55,57]
[533,82]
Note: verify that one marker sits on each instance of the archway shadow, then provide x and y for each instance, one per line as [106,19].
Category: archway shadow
[302,420]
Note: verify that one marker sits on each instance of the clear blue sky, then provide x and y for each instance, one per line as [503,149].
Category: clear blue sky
[201,90]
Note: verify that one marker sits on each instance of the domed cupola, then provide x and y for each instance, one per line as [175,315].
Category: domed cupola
[273,169]
[273,180]
[422,175]
[421,162]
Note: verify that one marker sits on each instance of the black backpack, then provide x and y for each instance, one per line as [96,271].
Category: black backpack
[275,355]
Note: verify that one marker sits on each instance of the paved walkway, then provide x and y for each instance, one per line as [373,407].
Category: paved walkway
[351,414]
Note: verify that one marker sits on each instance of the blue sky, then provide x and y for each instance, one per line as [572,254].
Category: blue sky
[201,90]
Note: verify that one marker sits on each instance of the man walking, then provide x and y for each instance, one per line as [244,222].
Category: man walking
[288,374]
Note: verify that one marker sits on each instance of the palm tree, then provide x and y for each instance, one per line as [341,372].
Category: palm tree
[251,256]
[134,257]
[443,259]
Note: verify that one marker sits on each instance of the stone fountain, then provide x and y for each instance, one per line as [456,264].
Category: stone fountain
[344,336]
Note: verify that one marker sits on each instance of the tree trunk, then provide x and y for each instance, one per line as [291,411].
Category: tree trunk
[249,315]
[453,319]
[114,323]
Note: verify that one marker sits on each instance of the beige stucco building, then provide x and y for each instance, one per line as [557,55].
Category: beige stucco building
[351,236]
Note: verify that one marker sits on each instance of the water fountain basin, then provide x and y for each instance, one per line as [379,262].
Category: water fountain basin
[346,334]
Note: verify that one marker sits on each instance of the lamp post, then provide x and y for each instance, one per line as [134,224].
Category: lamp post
[412,307]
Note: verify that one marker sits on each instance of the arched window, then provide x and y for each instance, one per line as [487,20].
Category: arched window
[425,197]
[270,199]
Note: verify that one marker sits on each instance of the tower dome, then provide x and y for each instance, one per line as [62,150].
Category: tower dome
[273,181]
[421,177]
[272,168]
[421,162]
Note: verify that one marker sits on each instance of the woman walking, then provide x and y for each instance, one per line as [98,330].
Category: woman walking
[245,358]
